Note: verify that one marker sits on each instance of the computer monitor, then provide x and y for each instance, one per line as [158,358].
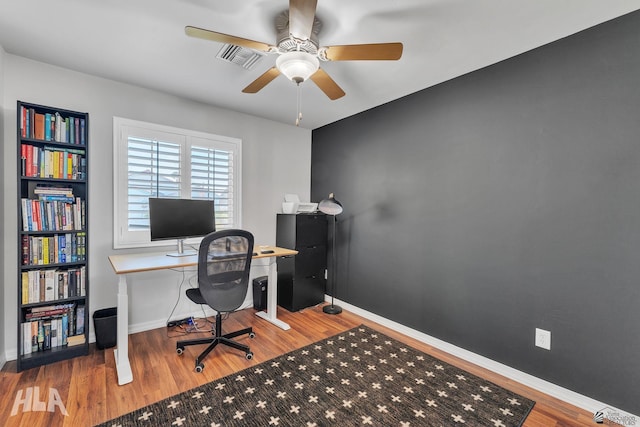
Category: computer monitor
[180,219]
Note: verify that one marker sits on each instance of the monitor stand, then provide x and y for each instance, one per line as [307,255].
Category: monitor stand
[181,251]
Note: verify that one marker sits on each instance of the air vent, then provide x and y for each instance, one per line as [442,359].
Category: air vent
[246,58]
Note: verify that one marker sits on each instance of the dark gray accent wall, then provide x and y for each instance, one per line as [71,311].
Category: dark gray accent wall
[502,201]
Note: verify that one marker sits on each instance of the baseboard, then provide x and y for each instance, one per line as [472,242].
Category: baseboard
[561,393]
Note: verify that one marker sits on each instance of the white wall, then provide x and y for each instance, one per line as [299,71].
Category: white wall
[276,160]
[3,182]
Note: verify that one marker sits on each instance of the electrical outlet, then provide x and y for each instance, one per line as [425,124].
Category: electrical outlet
[543,339]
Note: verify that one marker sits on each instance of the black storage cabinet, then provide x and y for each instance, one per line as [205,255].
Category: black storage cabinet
[301,278]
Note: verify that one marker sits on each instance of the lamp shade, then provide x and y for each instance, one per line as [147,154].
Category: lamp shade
[330,206]
[297,66]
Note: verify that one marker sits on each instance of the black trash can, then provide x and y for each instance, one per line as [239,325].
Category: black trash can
[105,325]
[260,293]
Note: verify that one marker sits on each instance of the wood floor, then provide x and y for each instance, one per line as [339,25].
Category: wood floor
[87,386]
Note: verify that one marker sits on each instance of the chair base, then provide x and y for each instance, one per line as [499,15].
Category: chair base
[218,338]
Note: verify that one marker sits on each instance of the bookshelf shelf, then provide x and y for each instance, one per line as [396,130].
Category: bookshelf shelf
[57,354]
[27,267]
[53,279]
[58,301]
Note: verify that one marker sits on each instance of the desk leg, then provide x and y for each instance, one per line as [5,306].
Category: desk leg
[272,297]
[122,351]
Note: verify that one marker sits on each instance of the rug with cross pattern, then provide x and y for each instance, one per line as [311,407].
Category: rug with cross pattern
[360,377]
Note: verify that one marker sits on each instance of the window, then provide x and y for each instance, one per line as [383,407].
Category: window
[153,160]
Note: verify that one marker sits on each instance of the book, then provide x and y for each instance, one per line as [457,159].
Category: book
[26,338]
[34,289]
[65,284]
[75,340]
[35,216]
[54,190]
[54,332]
[46,314]
[58,127]
[80,319]
[47,126]
[34,336]
[40,335]
[60,280]
[25,249]
[45,250]
[24,282]
[39,126]
[30,120]
[46,325]
[26,215]
[65,328]
[23,122]
[41,283]
[50,282]
[83,280]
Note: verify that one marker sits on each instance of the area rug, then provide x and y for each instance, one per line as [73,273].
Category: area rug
[360,377]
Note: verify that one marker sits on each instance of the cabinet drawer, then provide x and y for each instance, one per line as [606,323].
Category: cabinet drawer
[310,260]
[301,292]
[311,230]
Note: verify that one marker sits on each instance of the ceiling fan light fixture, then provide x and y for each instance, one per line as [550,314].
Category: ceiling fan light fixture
[297,66]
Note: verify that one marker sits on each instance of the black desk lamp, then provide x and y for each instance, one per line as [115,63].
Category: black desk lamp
[332,207]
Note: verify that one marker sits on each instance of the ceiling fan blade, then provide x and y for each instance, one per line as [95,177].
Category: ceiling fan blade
[355,52]
[327,84]
[225,38]
[302,13]
[262,81]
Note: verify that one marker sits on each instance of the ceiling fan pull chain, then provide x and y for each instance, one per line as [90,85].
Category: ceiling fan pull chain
[298,105]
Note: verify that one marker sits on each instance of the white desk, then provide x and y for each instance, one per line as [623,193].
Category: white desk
[137,263]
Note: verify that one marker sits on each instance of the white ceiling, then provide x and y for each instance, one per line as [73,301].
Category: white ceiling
[142,42]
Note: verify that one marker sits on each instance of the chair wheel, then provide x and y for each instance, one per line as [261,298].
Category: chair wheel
[249,356]
[252,335]
[180,350]
[199,368]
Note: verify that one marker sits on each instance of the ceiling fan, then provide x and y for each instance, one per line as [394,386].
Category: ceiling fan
[299,50]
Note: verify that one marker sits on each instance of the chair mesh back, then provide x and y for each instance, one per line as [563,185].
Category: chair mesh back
[224,261]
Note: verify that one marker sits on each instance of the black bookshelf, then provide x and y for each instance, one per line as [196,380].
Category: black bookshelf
[53,238]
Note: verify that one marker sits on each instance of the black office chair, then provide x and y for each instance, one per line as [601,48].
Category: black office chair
[224,260]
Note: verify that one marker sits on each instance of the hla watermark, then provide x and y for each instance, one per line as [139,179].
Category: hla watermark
[29,399]
[613,417]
